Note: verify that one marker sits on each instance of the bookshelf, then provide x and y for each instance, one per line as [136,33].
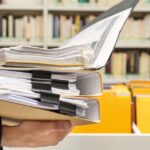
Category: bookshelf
[80,8]
[58,8]
[120,45]
[21,8]
[50,7]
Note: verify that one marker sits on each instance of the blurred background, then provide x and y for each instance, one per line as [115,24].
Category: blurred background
[125,103]
[48,23]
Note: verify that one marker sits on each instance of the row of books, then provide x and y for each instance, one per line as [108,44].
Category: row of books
[131,62]
[92,2]
[137,29]
[26,28]
[62,27]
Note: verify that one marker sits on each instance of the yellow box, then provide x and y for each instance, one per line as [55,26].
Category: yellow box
[115,114]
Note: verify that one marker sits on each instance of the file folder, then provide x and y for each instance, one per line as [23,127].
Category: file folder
[140,91]
[115,115]
[142,104]
[138,84]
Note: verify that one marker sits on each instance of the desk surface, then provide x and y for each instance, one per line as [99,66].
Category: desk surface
[100,142]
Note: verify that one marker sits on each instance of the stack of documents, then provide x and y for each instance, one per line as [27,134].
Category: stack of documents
[60,92]
[62,83]
[33,56]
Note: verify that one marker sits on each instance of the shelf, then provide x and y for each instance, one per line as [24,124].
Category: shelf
[126,78]
[120,45]
[145,9]
[93,8]
[11,7]
[5,44]
[133,44]
[76,8]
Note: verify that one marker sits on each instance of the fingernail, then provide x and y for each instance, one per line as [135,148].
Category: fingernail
[67,125]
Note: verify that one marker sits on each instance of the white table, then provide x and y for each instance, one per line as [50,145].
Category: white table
[101,142]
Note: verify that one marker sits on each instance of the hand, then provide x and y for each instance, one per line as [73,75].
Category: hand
[35,134]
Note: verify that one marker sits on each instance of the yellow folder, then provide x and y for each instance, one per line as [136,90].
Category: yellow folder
[138,83]
[115,114]
[139,91]
[143,113]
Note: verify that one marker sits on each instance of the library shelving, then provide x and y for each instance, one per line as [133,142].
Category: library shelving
[50,7]
[46,8]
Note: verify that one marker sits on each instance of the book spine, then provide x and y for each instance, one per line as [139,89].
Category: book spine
[4,27]
[10,26]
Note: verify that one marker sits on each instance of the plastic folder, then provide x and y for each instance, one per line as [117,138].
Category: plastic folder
[101,35]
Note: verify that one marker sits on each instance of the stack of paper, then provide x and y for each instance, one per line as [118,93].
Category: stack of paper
[63,80]
[33,56]
[55,91]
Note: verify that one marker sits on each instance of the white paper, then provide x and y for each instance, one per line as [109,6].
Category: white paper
[27,101]
[101,36]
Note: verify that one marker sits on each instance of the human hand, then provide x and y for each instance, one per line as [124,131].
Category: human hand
[35,133]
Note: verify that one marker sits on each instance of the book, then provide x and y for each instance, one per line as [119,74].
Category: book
[119,64]
[83,55]
[144,66]
[4,27]
[10,26]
